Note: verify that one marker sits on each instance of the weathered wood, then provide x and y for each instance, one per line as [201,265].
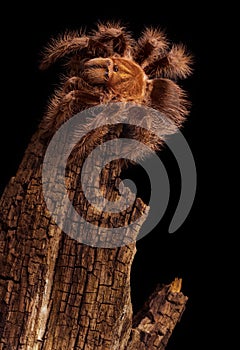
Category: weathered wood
[59,294]
[55,292]
[154,323]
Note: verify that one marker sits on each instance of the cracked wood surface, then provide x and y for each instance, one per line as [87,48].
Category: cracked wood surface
[154,323]
[56,293]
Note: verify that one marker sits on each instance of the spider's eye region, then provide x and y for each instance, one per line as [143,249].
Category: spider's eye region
[115,68]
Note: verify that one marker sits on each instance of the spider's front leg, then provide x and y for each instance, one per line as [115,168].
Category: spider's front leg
[77,94]
[73,83]
[77,100]
[71,99]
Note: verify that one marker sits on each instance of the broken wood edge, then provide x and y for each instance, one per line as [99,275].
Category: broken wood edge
[155,322]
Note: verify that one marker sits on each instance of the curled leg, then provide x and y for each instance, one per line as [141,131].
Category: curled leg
[175,64]
[114,37]
[151,46]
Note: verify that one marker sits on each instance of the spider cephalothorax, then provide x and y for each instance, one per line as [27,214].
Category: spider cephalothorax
[110,65]
[124,78]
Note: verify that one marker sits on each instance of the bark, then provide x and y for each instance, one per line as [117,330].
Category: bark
[57,293]
[154,324]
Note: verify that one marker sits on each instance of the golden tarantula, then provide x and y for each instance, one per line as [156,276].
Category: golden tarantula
[109,65]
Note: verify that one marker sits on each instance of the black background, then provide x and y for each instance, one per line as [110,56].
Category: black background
[188,253]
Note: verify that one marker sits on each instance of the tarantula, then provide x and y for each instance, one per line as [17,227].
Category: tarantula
[109,65]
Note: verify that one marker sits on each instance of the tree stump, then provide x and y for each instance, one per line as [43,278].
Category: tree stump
[57,293]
